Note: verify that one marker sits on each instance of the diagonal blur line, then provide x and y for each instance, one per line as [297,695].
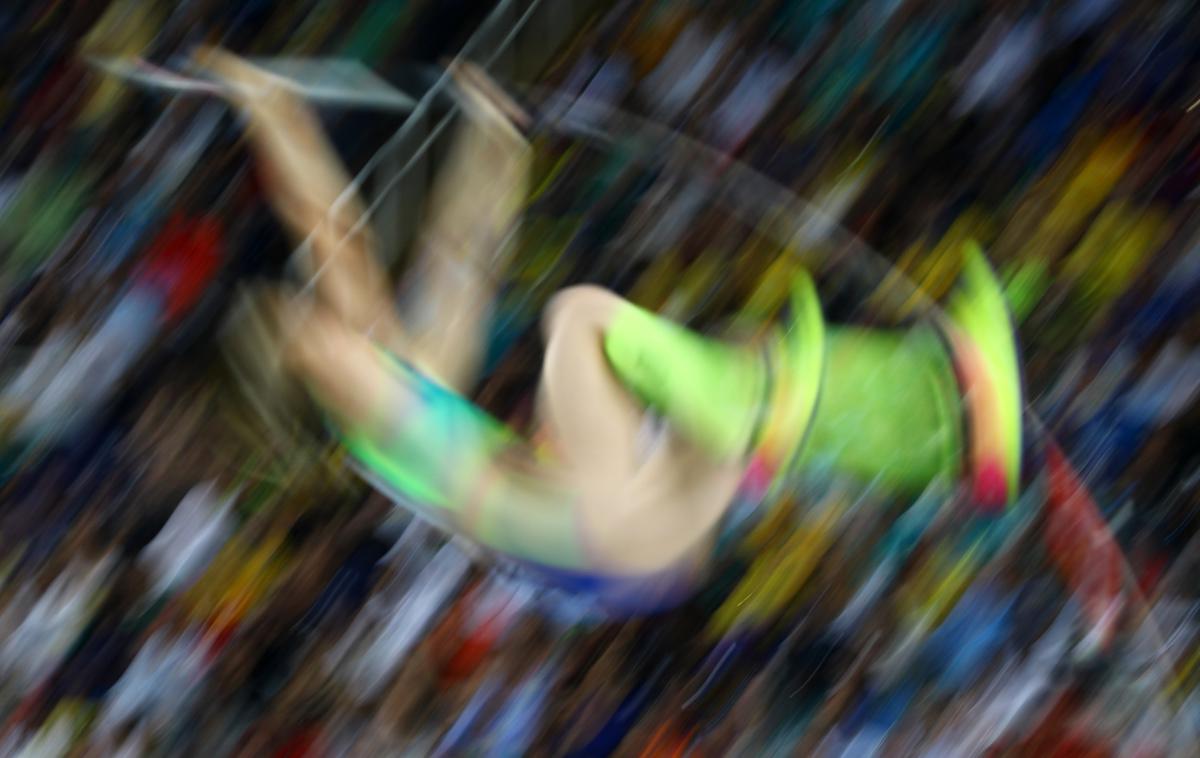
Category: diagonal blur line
[497,17]
[714,162]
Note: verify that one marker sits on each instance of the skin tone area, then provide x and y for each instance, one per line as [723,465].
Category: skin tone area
[639,513]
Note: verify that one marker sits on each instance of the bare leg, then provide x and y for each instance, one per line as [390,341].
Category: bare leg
[598,507]
[594,420]
[304,181]
[639,502]
[475,203]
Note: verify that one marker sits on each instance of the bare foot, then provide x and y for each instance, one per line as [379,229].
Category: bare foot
[483,91]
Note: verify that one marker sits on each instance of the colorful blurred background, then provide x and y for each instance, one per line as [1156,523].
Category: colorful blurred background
[188,566]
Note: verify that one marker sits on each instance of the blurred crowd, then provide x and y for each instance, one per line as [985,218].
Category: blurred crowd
[184,572]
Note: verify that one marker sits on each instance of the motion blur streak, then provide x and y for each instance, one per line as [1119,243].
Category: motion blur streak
[874,431]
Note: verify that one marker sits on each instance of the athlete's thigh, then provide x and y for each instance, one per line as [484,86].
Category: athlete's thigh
[594,421]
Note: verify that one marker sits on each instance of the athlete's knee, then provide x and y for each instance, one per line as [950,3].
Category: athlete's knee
[581,308]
